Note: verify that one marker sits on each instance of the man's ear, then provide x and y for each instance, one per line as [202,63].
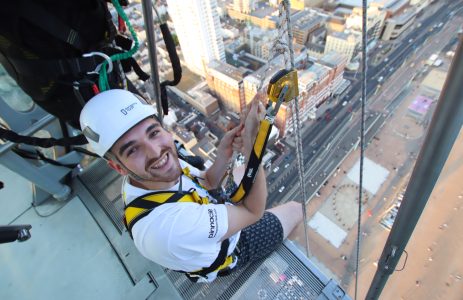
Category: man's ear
[117,167]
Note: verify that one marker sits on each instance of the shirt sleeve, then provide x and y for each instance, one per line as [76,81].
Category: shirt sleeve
[188,234]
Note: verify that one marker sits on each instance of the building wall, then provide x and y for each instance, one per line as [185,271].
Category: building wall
[393,28]
[343,46]
[244,6]
[314,3]
[265,23]
[206,105]
[198,28]
[298,4]
[229,90]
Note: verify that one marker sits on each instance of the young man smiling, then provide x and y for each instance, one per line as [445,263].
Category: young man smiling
[203,238]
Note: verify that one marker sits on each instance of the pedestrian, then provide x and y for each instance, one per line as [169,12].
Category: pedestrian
[188,230]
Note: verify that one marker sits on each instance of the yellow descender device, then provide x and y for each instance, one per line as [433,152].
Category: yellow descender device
[283,87]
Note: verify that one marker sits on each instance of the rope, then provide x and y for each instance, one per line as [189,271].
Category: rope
[295,112]
[362,136]
[103,79]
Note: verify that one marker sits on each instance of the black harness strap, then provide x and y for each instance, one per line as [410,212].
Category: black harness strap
[41,142]
[43,19]
[217,262]
[53,68]
[148,206]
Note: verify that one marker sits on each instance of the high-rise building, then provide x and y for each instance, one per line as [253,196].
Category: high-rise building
[197,26]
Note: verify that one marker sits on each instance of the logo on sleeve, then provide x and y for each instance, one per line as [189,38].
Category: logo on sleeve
[212,222]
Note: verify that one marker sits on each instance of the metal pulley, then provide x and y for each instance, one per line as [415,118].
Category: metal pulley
[283,78]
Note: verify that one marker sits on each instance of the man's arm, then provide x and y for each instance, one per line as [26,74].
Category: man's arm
[251,209]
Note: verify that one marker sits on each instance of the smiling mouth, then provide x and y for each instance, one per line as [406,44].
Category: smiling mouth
[160,163]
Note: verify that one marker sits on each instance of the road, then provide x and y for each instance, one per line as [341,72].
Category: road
[327,142]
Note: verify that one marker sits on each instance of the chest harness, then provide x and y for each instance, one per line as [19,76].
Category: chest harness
[143,205]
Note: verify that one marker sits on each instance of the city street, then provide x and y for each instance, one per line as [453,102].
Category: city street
[395,147]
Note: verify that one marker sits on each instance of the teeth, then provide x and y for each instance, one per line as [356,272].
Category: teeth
[160,163]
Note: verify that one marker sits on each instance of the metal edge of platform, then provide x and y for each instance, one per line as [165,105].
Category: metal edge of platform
[332,290]
[135,264]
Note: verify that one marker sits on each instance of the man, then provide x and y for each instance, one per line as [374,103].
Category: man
[182,235]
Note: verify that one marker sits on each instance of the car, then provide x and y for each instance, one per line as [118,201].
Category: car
[380,78]
[287,165]
[281,189]
[386,59]
[276,169]
[410,40]
[344,103]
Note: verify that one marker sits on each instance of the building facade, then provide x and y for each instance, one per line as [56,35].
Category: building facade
[304,24]
[396,25]
[375,22]
[344,43]
[226,82]
[198,28]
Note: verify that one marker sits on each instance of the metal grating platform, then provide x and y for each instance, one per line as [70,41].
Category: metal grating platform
[286,274]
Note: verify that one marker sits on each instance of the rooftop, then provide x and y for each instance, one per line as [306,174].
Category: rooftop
[420,105]
[332,59]
[263,10]
[227,70]
[435,80]
[306,77]
[405,16]
[263,75]
[304,20]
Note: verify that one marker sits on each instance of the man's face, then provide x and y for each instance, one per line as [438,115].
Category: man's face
[148,150]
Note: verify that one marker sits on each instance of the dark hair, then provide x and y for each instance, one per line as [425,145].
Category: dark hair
[155,117]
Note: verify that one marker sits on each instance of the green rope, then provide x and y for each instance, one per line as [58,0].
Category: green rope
[103,79]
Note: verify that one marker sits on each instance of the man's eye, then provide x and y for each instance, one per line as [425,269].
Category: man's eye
[131,151]
[153,133]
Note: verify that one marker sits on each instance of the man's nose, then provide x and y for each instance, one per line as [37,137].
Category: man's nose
[153,150]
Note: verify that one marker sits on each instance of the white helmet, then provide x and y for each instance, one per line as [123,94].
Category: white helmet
[110,114]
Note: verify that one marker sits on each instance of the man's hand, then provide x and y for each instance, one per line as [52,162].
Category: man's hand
[255,114]
[231,141]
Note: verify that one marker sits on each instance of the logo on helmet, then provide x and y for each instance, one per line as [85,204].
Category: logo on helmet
[126,110]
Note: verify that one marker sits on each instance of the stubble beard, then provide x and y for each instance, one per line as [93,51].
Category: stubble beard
[172,174]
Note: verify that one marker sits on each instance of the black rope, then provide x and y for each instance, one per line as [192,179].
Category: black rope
[176,66]
[41,142]
[37,155]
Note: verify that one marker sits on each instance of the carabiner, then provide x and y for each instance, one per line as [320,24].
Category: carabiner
[105,56]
